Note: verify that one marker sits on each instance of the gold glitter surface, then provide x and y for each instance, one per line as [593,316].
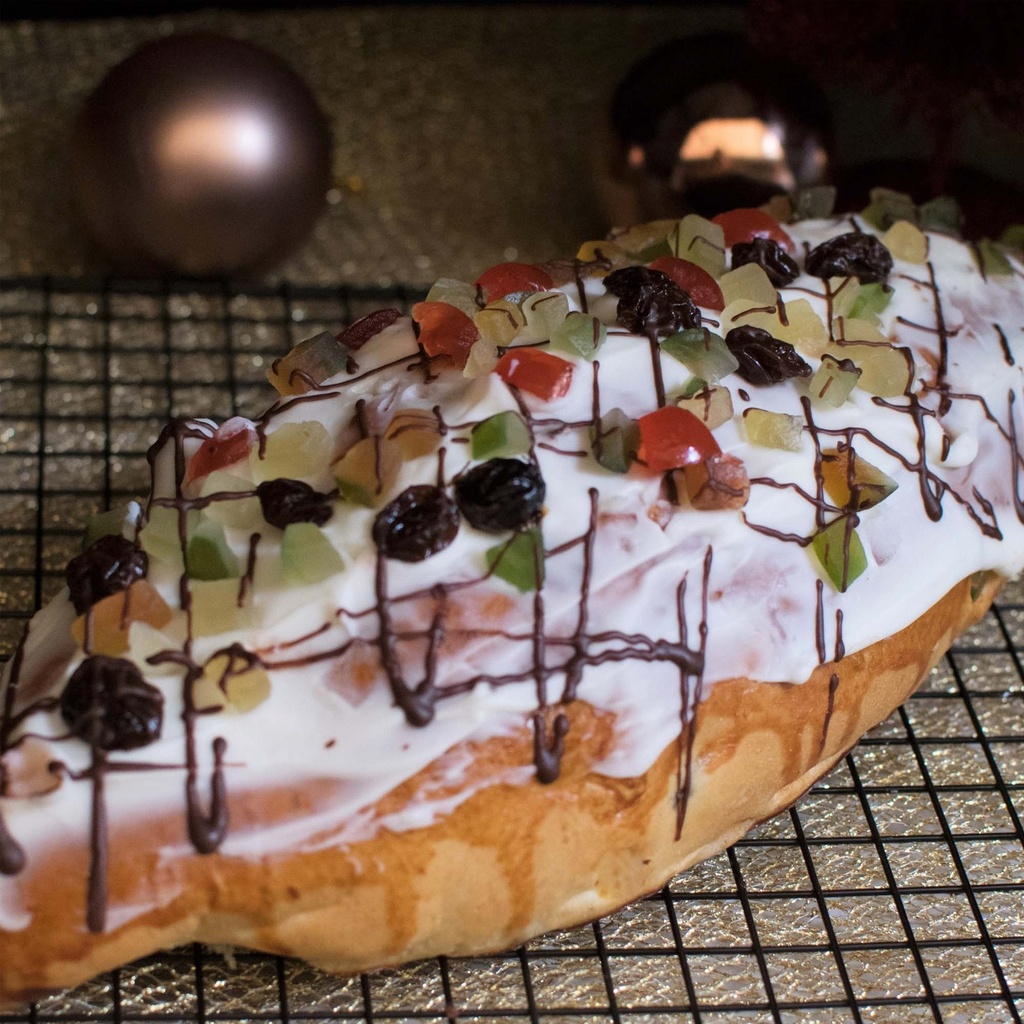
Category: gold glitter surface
[893,892]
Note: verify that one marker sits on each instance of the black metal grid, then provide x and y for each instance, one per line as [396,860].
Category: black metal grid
[894,891]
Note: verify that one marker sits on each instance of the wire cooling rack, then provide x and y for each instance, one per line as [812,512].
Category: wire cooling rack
[894,891]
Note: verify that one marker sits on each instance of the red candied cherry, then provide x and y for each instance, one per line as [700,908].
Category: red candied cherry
[746,224]
[694,280]
[445,330]
[540,373]
[506,278]
[231,442]
[671,438]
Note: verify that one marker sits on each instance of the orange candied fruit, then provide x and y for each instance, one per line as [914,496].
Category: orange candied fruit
[671,438]
[445,330]
[507,278]
[112,617]
[746,224]
[537,372]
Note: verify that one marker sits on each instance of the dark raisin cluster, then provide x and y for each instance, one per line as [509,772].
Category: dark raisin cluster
[108,704]
[286,501]
[500,495]
[109,565]
[650,302]
[421,521]
[851,255]
[356,335]
[764,359]
[780,267]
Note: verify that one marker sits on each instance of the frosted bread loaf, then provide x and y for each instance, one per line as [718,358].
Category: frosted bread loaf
[504,613]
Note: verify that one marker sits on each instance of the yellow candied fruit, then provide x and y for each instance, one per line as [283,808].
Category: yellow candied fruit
[216,608]
[906,242]
[748,283]
[109,620]
[712,406]
[803,329]
[698,240]
[368,470]
[482,359]
[293,450]
[886,371]
[844,292]
[544,312]
[500,322]
[588,252]
[417,432]
[773,429]
[231,682]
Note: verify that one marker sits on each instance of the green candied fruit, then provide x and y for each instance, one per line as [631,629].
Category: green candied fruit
[105,524]
[580,332]
[544,311]
[887,207]
[871,300]
[941,214]
[840,552]
[814,202]
[500,436]
[208,556]
[459,294]
[160,538]
[519,561]
[701,242]
[307,556]
[309,364]
[991,259]
[833,381]
[702,352]
[615,441]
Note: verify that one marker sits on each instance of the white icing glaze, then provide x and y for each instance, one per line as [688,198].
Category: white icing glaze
[761,593]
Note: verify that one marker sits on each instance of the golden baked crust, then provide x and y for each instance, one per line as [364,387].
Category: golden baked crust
[492,872]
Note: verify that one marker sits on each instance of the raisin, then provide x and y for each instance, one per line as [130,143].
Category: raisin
[650,301]
[356,335]
[851,255]
[500,495]
[421,521]
[780,267]
[108,704]
[286,501]
[109,565]
[764,359]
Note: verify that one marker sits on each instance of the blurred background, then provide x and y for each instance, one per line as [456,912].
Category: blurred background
[453,136]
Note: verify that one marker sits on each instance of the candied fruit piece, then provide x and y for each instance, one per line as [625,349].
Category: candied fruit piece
[366,328]
[615,441]
[845,292]
[833,381]
[308,365]
[111,618]
[581,333]
[519,561]
[208,556]
[694,280]
[711,405]
[482,358]
[641,237]
[701,242]
[906,242]
[887,207]
[459,294]
[886,371]
[840,552]
[241,512]
[603,251]
[991,259]
[746,224]
[160,537]
[748,284]
[702,352]
[814,202]
[216,609]
[293,450]
[852,482]
[499,436]
[671,438]
[445,330]
[506,278]
[773,429]
[368,470]
[544,311]
[719,482]
[500,322]
[231,442]
[417,432]
[870,301]
[307,556]
[232,680]
[804,329]
[104,524]
[540,373]
[941,214]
